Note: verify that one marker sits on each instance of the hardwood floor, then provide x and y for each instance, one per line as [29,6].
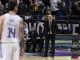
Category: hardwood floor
[45,58]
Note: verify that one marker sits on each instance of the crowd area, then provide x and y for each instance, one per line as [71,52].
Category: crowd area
[48,10]
[37,8]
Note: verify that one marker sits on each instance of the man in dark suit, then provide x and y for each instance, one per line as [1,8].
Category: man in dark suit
[50,31]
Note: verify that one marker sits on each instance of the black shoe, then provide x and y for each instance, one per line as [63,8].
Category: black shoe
[45,56]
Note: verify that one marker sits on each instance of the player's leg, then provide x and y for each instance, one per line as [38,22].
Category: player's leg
[16,51]
[6,51]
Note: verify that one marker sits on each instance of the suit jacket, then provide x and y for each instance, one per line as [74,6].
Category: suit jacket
[47,27]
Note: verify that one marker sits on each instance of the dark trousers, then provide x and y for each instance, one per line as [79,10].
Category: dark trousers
[31,45]
[40,42]
[34,43]
[28,45]
[48,38]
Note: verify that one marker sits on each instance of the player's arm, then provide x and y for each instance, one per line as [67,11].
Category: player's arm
[21,35]
[1,25]
[25,31]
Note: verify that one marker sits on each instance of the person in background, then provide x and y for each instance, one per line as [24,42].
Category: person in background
[33,37]
[49,32]
[75,9]
[47,14]
[41,39]
[29,10]
[55,10]
[64,8]
[41,9]
[54,7]
[4,2]
[25,31]
[35,8]
[1,8]
[22,9]
[26,36]
[47,3]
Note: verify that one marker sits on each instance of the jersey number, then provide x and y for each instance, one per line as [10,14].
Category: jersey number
[11,32]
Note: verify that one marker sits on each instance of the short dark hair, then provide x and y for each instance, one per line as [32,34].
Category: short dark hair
[11,5]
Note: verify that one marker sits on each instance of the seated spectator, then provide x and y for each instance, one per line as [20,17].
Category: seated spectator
[46,2]
[29,9]
[41,38]
[47,14]
[36,9]
[63,10]
[1,8]
[22,9]
[25,31]
[75,9]
[54,7]
[33,38]
[41,9]
[26,36]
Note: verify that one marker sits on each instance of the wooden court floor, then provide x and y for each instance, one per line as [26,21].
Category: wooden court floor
[45,58]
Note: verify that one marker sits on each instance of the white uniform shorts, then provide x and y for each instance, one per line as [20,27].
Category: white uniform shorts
[10,51]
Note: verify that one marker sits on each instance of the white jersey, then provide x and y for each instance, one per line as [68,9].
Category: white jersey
[10,31]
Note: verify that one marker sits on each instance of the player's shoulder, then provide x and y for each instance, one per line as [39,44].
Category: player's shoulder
[17,16]
[20,18]
[2,17]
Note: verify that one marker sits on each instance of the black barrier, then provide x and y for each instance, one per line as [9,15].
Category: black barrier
[68,29]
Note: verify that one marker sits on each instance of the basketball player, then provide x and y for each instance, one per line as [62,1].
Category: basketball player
[11,32]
